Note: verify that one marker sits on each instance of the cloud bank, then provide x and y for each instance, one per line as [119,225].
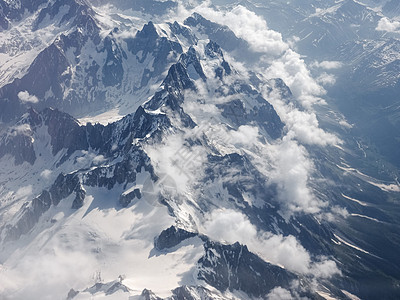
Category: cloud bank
[293,70]
[250,27]
[292,170]
[226,225]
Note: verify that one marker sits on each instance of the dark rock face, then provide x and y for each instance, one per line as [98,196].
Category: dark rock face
[148,295]
[235,112]
[79,198]
[244,177]
[178,29]
[282,88]
[233,267]
[190,58]
[40,77]
[171,95]
[50,76]
[148,42]
[216,32]
[19,145]
[171,237]
[264,116]
[17,141]
[30,215]
[108,288]
[11,12]
[145,123]
[177,79]
[113,71]
[64,186]
[4,22]
[79,14]
[192,293]
[71,294]
[64,131]
[267,118]
[122,172]
[213,50]
[61,78]
[126,199]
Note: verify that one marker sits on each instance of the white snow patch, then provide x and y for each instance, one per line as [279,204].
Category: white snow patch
[354,200]
[98,239]
[350,245]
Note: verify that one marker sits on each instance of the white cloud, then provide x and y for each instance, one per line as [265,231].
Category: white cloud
[243,22]
[24,192]
[345,124]
[25,97]
[281,61]
[292,170]
[46,174]
[98,159]
[294,72]
[20,129]
[291,166]
[304,127]
[230,226]
[324,269]
[326,79]
[245,135]
[88,158]
[386,24]
[183,164]
[279,293]
[252,28]
[327,65]
[45,275]
[226,225]
[334,213]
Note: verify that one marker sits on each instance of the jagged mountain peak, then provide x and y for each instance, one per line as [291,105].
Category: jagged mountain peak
[213,50]
[148,31]
[79,12]
[15,10]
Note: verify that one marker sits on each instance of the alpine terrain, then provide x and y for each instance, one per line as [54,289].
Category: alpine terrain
[221,149]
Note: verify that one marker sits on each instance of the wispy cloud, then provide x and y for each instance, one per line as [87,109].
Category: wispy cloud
[327,64]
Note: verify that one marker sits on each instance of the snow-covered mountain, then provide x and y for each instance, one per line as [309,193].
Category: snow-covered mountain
[169,150]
